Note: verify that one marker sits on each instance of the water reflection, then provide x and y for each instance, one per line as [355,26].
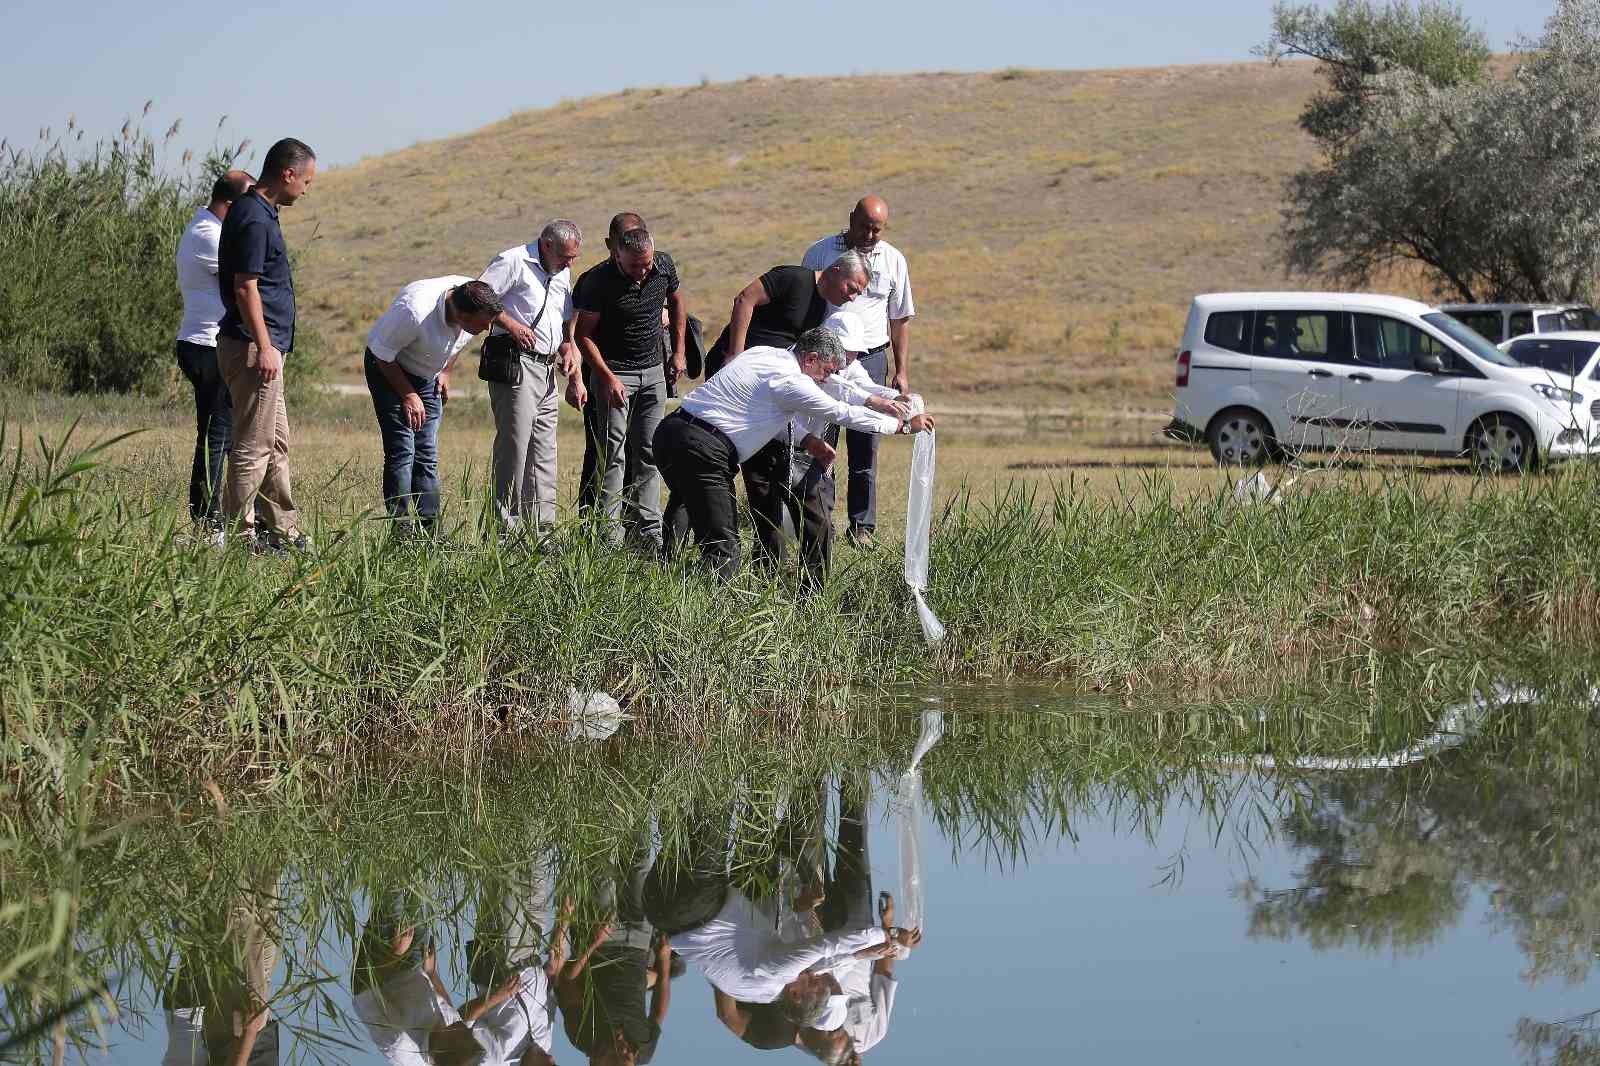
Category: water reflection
[663,905]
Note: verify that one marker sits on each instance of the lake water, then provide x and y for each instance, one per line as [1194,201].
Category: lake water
[1443,907]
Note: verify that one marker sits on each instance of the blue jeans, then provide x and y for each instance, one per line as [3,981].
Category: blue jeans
[410,456]
[213,433]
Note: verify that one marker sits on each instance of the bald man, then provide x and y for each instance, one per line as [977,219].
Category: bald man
[196,348]
[885,309]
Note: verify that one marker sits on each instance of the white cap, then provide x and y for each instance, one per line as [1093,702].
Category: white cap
[833,1015]
[848,327]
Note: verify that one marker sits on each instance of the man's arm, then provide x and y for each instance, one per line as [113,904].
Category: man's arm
[661,995]
[247,296]
[900,341]
[588,323]
[395,329]
[786,961]
[729,1013]
[501,275]
[750,297]
[678,319]
[473,1008]
[574,969]
[801,396]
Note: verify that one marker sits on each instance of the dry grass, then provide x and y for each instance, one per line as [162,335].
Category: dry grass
[1034,201]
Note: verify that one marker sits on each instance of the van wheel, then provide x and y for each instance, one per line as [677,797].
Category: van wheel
[1240,437]
[1501,444]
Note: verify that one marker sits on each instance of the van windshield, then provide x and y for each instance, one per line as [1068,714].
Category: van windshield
[1468,338]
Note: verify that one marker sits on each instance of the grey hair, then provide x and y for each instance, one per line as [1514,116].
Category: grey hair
[851,264]
[821,342]
[637,240]
[559,231]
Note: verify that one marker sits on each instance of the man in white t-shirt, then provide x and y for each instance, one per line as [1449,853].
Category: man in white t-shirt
[402,1002]
[886,308]
[196,347]
[534,281]
[410,351]
[513,1015]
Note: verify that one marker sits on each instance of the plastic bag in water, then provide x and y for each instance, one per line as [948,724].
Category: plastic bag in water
[909,909]
[919,519]
[592,715]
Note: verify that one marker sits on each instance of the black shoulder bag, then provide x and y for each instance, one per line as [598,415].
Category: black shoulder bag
[500,361]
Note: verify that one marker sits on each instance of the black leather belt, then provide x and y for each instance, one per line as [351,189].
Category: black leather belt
[694,420]
[875,351]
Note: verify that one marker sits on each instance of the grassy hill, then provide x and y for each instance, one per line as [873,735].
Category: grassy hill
[1056,223]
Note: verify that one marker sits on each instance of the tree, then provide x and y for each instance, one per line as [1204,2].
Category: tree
[1489,184]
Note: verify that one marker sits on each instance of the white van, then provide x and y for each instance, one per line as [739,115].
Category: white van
[1501,322]
[1262,375]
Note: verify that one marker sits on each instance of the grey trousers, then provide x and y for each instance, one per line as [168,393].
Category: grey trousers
[625,461]
[525,446]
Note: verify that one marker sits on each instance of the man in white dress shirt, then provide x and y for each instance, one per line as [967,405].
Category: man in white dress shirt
[886,309]
[196,347]
[410,350]
[747,404]
[535,283]
[398,996]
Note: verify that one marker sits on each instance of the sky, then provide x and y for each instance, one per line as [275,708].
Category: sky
[359,78]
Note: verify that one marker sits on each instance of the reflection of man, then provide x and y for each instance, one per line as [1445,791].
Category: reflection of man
[513,1014]
[402,1002]
[887,308]
[216,1006]
[602,991]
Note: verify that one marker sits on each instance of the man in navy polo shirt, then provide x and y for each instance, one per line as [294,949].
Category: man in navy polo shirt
[254,336]
[618,332]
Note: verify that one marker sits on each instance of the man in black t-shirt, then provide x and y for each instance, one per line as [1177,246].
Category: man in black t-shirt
[774,310]
[618,332]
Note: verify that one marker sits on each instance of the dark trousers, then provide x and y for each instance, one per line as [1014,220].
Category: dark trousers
[410,456]
[848,900]
[698,465]
[213,430]
[809,504]
[861,456]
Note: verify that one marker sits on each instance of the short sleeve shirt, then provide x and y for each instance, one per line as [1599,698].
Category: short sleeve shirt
[415,333]
[629,334]
[252,243]
[888,295]
[613,1000]
[521,281]
[793,306]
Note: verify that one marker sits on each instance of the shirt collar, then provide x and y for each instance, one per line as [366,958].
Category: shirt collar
[268,204]
[439,310]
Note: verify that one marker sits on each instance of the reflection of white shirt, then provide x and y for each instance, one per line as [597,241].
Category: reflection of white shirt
[741,953]
[508,1029]
[399,1014]
[197,279]
[755,396]
[520,279]
[414,331]
[888,295]
[186,1044]
[871,998]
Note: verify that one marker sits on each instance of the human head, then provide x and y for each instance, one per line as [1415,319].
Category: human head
[851,331]
[868,222]
[635,252]
[845,279]
[559,244]
[228,187]
[288,169]
[474,305]
[834,1048]
[621,223]
[615,1051]
[819,354]
[805,999]
[454,1045]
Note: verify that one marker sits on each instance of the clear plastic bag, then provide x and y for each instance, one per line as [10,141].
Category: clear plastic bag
[919,520]
[909,909]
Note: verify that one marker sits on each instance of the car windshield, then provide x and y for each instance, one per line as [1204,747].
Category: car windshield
[1557,356]
[1468,338]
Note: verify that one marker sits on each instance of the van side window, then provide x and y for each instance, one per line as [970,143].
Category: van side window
[1311,335]
[1489,324]
[1521,322]
[1229,330]
[1394,345]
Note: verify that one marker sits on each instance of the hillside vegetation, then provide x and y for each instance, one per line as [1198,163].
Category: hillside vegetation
[1056,223]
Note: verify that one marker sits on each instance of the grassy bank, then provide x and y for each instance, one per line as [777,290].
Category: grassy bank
[121,636]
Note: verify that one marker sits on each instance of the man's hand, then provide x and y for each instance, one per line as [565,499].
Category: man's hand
[416,414]
[568,354]
[616,393]
[680,364]
[922,423]
[522,335]
[876,951]
[507,988]
[818,449]
[444,387]
[899,384]
[269,362]
[906,938]
[576,394]
[892,408]
[811,896]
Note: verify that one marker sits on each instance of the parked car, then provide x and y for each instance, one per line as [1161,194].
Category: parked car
[1501,322]
[1262,375]
[1569,358]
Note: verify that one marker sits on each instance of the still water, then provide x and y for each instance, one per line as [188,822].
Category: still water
[1139,906]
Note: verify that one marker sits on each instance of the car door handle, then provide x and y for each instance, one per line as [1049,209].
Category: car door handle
[1360,377]
[1320,373]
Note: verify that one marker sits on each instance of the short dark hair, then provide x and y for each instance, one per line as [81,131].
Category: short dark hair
[622,222]
[229,188]
[476,298]
[637,240]
[287,154]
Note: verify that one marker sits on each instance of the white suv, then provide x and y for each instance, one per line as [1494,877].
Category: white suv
[1263,374]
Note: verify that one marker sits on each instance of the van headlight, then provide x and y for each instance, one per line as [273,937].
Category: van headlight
[1557,396]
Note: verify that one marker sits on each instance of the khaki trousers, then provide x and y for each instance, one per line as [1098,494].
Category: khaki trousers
[258,470]
[525,445]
